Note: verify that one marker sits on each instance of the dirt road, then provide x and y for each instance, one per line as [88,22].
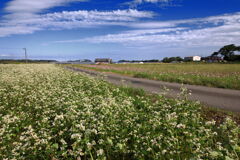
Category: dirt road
[215,97]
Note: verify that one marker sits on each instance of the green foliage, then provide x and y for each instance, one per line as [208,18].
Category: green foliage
[172,59]
[228,52]
[49,113]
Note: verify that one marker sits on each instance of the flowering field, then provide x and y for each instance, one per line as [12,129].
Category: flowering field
[212,75]
[49,113]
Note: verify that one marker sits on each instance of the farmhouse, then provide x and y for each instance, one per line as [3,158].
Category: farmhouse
[103,60]
[212,59]
[193,58]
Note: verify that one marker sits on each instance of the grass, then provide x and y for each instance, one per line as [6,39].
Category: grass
[49,113]
[211,75]
[219,115]
[23,61]
[207,113]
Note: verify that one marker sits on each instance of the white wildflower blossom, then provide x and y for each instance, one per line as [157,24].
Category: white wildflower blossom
[47,110]
[100,152]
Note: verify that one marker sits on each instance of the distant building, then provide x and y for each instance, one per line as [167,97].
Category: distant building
[193,58]
[212,59]
[84,61]
[103,61]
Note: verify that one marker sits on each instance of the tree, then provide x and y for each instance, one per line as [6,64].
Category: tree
[86,60]
[215,53]
[166,60]
[171,59]
[228,52]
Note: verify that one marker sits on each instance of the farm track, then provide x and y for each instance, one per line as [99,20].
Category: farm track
[226,99]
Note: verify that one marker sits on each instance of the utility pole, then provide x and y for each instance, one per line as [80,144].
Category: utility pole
[25,53]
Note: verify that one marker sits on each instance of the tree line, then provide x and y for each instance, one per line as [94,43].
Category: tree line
[229,53]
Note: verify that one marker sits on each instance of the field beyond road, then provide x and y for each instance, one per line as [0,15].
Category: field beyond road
[47,113]
[205,74]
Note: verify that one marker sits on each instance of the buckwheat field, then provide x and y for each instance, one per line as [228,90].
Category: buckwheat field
[47,112]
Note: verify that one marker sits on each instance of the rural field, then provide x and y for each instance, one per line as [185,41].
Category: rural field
[47,112]
[211,75]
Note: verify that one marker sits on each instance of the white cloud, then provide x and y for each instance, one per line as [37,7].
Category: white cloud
[116,15]
[10,30]
[213,20]
[35,6]
[6,55]
[23,15]
[151,1]
[209,31]
[125,37]
[69,20]
[135,3]
[214,30]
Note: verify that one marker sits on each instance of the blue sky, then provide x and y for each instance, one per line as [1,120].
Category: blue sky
[118,29]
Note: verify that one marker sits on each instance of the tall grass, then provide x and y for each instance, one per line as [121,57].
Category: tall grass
[212,75]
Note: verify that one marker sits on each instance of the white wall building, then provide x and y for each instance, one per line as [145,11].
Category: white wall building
[193,58]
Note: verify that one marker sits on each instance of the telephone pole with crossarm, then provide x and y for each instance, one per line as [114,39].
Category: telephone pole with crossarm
[25,53]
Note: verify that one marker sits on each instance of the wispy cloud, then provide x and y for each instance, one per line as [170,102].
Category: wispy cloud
[212,20]
[22,16]
[151,1]
[27,16]
[10,30]
[209,31]
[161,3]
[125,37]
[33,6]
[69,20]
[6,55]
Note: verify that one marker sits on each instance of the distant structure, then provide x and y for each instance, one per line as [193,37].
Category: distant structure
[193,58]
[138,61]
[212,59]
[83,61]
[103,60]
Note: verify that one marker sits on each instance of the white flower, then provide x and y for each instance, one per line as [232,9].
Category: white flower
[100,152]
[63,141]
[181,126]
[164,151]
[89,145]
